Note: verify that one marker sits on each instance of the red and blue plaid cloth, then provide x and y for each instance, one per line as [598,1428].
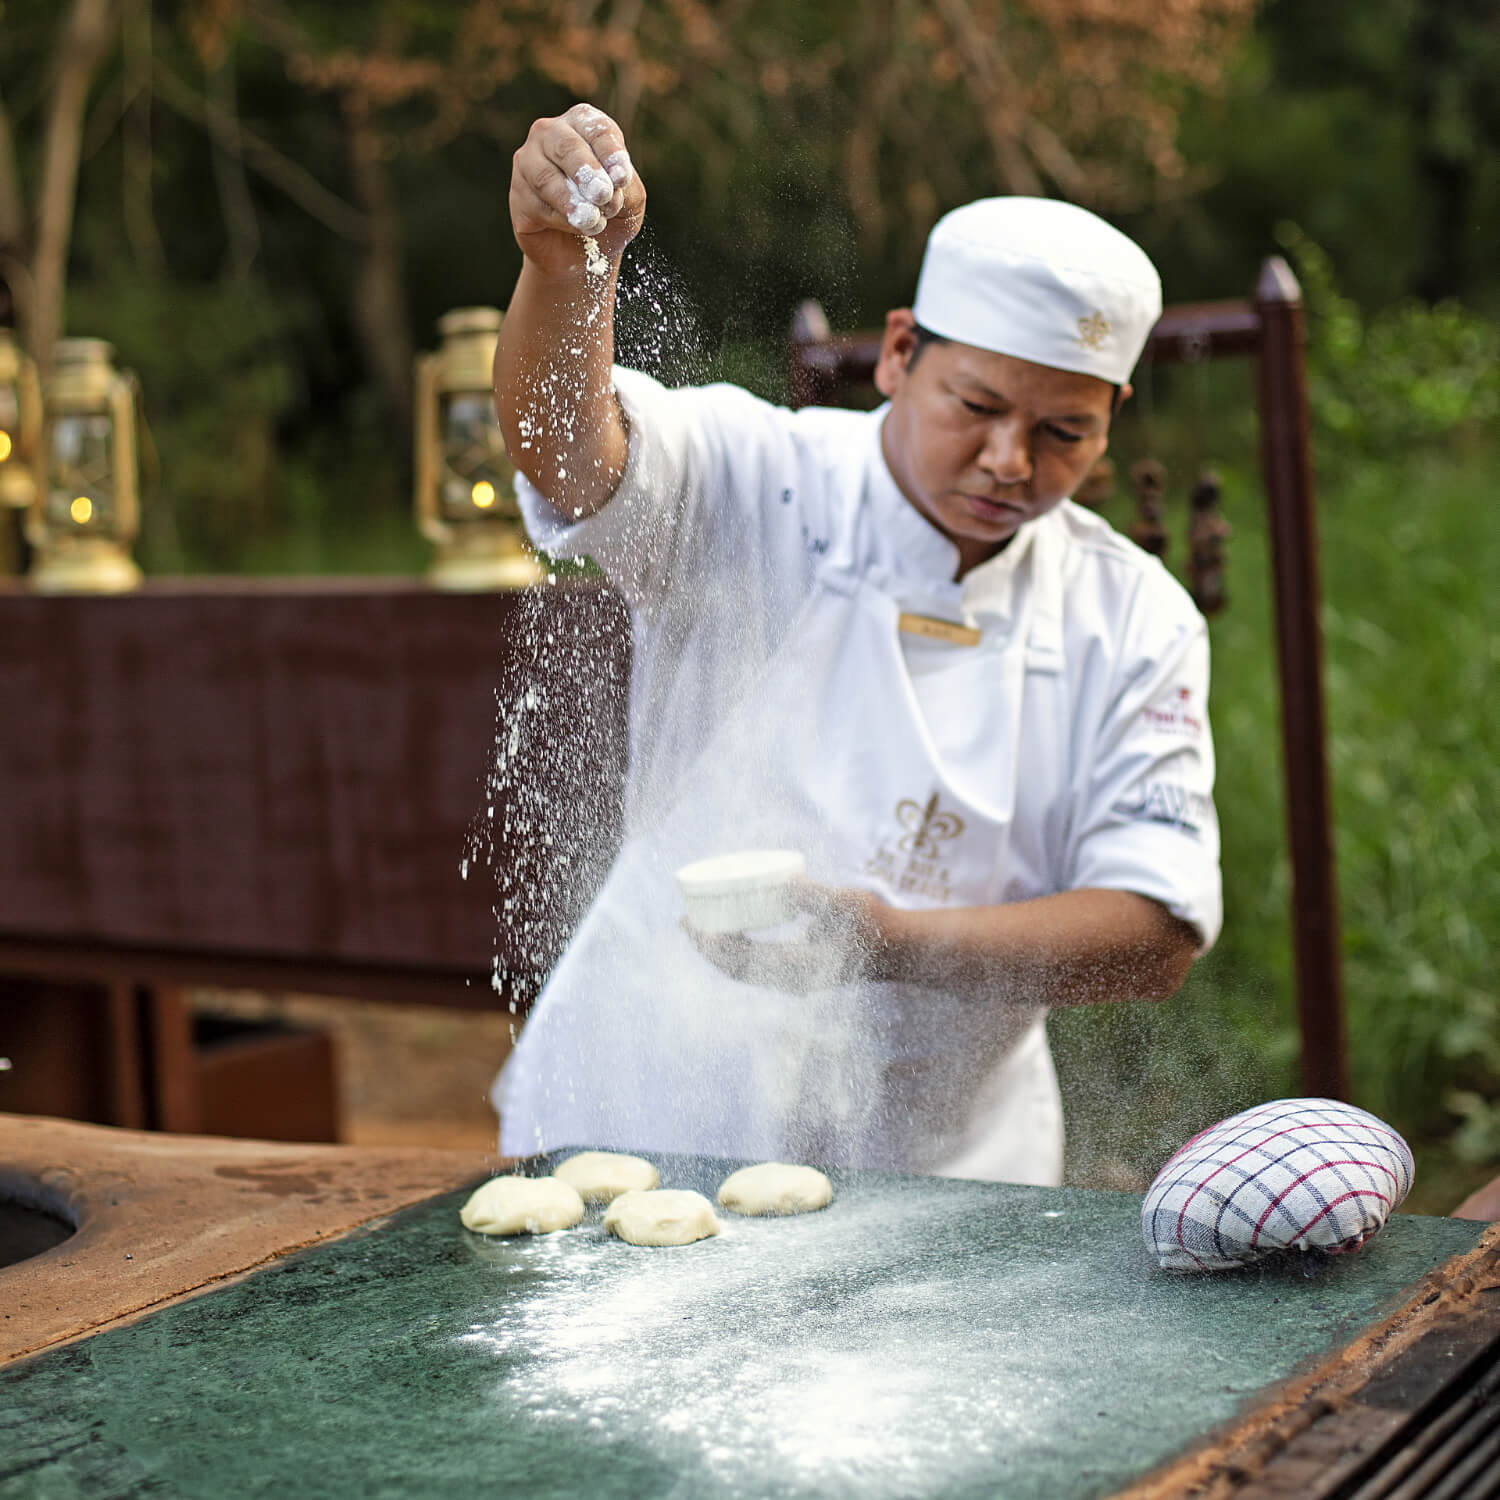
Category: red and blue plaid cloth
[1295,1174]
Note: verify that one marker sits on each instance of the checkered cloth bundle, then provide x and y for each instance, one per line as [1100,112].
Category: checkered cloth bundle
[1295,1174]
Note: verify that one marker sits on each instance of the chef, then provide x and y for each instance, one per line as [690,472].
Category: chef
[890,641]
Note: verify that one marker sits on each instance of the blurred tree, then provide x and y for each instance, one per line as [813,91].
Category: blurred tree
[305,184]
[1450,77]
[891,110]
[1373,124]
[34,237]
[894,109]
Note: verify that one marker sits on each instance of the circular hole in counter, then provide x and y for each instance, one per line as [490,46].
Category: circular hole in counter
[33,1218]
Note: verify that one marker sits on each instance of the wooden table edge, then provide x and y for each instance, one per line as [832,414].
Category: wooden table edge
[165,1217]
[1319,1410]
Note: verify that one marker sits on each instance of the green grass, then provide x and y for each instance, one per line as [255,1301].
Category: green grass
[1413,630]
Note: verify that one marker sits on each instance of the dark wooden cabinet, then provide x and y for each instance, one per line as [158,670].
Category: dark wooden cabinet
[331,787]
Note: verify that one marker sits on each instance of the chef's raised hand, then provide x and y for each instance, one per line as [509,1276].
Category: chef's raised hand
[575,203]
[845,942]
[572,179]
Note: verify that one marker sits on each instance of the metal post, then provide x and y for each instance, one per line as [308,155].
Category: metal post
[1286,455]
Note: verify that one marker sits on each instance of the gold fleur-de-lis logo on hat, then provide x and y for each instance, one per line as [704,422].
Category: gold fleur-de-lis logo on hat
[928,826]
[1093,330]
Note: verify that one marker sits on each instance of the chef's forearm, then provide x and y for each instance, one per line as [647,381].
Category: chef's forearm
[1076,948]
[554,394]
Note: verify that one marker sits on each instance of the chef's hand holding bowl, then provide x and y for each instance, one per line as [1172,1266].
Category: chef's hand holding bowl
[731,896]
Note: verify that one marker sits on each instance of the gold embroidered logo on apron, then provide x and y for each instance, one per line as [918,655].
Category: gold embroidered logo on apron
[928,826]
[914,866]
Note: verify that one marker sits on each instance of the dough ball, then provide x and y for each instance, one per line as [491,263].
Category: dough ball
[663,1216]
[601,1176]
[775,1188]
[522,1205]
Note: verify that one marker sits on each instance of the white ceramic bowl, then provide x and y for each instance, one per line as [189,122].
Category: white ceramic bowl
[739,892]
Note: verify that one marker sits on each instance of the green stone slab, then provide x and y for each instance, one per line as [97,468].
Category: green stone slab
[919,1337]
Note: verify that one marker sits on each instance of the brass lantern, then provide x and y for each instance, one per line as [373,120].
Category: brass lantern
[20,423]
[87,508]
[465,482]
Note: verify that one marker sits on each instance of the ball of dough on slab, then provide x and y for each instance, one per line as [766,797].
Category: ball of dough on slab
[665,1216]
[522,1205]
[775,1188]
[601,1176]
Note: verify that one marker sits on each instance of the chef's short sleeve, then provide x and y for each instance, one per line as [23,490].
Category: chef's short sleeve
[694,494]
[1146,820]
[622,535]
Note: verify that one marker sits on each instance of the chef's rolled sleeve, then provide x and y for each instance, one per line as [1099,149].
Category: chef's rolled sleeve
[629,536]
[721,490]
[1147,821]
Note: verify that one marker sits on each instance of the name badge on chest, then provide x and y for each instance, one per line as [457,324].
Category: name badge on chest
[934,629]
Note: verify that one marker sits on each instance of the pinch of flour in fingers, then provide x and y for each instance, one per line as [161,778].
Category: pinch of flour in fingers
[593,124]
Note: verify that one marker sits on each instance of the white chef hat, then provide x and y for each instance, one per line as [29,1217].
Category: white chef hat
[1039,280]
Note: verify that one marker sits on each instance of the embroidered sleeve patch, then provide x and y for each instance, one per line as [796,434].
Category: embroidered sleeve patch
[1176,713]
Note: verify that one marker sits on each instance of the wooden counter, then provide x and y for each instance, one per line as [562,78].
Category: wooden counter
[160,1216]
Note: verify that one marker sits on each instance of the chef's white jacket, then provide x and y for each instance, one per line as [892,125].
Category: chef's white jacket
[765,556]
[713,537]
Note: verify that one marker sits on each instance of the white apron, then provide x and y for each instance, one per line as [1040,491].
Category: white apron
[637,1041]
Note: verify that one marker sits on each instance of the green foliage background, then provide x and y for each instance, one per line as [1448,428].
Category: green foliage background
[1360,137]
[1404,401]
